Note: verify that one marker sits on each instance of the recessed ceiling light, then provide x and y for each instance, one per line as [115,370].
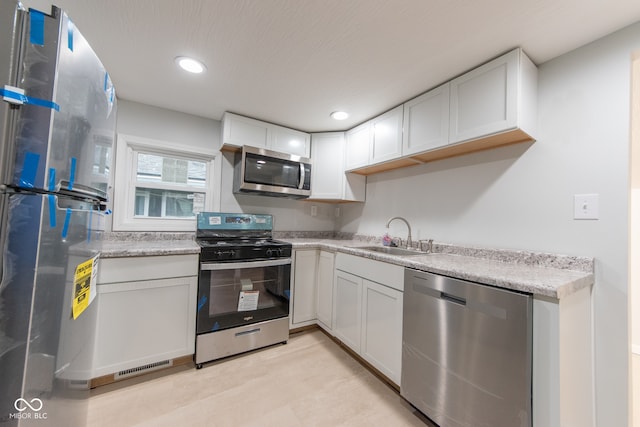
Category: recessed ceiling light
[191,65]
[339,115]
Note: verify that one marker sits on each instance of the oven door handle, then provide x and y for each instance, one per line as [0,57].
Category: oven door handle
[245,264]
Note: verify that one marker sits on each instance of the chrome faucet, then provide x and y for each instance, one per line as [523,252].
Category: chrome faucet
[409,243]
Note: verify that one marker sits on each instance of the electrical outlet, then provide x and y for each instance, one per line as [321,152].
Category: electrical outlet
[585,206]
[337,212]
[314,210]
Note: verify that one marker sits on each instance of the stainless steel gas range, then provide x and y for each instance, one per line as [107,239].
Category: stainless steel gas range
[243,285]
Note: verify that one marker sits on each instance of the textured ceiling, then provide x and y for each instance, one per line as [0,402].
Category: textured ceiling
[292,62]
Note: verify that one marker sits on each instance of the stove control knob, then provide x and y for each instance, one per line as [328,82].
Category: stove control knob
[219,254]
[280,252]
[269,252]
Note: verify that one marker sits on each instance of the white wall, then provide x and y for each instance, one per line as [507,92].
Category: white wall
[166,125]
[198,132]
[522,196]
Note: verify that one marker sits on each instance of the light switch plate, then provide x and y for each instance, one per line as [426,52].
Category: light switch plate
[585,206]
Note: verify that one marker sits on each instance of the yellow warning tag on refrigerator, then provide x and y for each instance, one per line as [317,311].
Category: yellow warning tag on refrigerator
[84,285]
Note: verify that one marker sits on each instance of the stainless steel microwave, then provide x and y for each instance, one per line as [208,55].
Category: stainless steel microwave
[271,173]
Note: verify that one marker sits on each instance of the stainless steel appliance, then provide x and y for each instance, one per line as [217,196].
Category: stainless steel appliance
[243,287]
[466,352]
[57,126]
[270,173]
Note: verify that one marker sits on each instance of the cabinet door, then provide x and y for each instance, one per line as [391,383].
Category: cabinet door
[304,286]
[132,332]
[347,309]
[426,121]
[324,306]
[327,170]
[386,143]
[238,131]
[357,146]
[382,328]
[290,141]
[484,100]
[328,177]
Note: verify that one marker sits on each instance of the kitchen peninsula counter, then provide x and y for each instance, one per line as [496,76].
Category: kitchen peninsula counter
[541,274]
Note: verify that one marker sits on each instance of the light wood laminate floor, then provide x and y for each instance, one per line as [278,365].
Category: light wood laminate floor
[310,381]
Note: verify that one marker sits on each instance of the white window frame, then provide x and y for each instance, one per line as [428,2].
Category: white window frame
[125,183]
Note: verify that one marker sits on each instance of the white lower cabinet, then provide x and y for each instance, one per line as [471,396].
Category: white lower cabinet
[381,338]
[324,296]
[146,317]
[563,385]
[347,310]
[303,301]
[367,311]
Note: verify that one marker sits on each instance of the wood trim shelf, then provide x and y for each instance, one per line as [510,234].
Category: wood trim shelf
[514,136]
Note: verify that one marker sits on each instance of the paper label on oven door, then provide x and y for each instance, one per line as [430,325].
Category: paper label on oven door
[248,300]
[215,220]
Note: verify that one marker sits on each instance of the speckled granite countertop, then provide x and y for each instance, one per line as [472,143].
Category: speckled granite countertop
[548,275]
[119,249]
[123,244]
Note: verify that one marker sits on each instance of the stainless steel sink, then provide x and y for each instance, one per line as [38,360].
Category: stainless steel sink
[390,250]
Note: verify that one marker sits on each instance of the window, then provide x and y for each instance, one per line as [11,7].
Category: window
[163,188]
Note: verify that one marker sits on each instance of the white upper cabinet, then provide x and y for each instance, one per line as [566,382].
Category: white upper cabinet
[426,121]
[291,141]
[386,141]
[357,149]
[328,178]
[239,130]
[496,97]
[490,106]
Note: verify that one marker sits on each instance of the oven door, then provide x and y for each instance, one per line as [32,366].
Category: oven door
[238,293]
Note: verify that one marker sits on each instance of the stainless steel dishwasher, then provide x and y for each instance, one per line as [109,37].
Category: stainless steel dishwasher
[466,351]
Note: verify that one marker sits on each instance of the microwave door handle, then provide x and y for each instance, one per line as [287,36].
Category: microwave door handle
[302,176]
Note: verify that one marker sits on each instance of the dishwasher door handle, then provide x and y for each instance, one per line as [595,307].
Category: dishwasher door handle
[452,298]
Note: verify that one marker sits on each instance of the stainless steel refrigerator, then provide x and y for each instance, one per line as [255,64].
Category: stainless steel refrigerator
[57,126]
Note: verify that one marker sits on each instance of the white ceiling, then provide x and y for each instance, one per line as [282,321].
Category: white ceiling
[292,62]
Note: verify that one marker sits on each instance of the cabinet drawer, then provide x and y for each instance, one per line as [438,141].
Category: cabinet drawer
[114,270]
[381,272]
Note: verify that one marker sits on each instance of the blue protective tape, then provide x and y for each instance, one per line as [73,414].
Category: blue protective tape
[52,210]
[202,302]
[42,103]
[70,27]
[106,81]
[52,179]
[215,327]
[24,99]
[72,173]
[29,170]
[36,35]
[287,294]
[67,220]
